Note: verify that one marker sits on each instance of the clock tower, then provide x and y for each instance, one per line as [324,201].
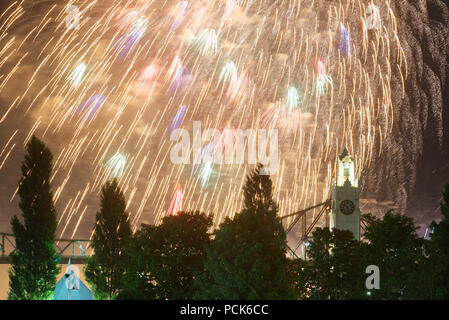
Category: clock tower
[345,212]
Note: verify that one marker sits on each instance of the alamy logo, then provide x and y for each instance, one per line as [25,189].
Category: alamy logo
[227,147]
[373,281]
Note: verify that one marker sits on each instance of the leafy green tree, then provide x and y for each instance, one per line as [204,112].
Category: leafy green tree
[34,262]
[105,268]
[336,268]
[165,259]
[397,250]
[180,243]
[247,258]
[428,277]
[138,283]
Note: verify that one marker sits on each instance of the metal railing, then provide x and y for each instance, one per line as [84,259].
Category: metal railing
[75,250]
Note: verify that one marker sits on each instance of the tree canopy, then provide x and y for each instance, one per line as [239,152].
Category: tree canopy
[335,269]
[166,259]
[395,247]
[247,258]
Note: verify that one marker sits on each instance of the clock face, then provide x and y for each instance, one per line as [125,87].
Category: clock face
[347,207]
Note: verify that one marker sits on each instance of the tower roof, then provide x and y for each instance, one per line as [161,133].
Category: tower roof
[344,154]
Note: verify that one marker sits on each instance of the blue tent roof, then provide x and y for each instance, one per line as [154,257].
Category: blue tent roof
[70,287]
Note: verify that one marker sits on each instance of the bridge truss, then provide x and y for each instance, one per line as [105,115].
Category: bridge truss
[307,229]
[75,250]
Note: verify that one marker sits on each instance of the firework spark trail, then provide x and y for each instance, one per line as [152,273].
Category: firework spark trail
[239,64]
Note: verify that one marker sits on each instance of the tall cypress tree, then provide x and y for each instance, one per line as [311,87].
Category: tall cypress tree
[112,232]
[247,258]
[34,262]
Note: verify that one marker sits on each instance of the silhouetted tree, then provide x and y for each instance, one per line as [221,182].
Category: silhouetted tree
[336,268]
[397,250]
[105,268]
[138,283]
[247,259]
[34,262]
[428,278]
[165,259]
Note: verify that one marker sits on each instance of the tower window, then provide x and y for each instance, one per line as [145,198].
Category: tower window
[346,169]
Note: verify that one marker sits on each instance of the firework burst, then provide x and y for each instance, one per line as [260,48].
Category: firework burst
[116,165]
[235,64]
